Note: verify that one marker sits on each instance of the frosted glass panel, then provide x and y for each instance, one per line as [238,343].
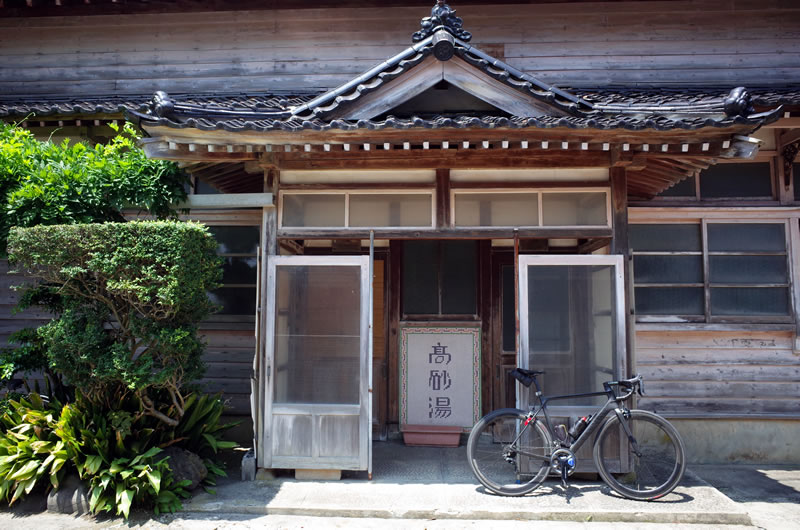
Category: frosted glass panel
[497,209]
[390,210]
[313,210]
[574,209]
[317,334]
[572,327]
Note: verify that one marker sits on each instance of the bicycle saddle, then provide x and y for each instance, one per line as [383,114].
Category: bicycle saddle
[524,376]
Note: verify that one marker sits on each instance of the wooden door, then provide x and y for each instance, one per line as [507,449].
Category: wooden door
[503,330]
[318,400]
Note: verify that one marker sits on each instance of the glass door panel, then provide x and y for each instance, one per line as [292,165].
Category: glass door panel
[318,410]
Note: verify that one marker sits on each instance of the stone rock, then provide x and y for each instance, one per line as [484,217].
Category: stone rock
[185,465]
[72,497]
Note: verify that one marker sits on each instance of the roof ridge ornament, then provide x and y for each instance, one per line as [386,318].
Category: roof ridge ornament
[444,17]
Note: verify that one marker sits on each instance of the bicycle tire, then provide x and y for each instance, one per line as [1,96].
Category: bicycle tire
[656,472]
[504,461]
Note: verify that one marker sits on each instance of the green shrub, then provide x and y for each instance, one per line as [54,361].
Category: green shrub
[30,450]
[131,295]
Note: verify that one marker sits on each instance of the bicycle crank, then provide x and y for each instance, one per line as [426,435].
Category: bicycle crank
[564,462]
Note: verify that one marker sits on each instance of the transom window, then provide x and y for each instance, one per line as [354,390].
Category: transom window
[752,181]
[711,271]
[528,208]
[357,209]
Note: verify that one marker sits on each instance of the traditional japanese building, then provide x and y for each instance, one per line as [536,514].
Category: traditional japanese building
[398,240]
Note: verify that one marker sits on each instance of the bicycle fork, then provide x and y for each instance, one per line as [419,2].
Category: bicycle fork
[624,414]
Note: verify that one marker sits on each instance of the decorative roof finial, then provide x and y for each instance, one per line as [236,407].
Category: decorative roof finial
[442,16]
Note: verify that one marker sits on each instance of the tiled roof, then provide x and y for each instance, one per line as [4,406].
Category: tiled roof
[88,106]
[762,96]
[602,122]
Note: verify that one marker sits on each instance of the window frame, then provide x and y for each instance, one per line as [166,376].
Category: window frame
[697,198]
[238,317]
[707,285]
[539,192]
[347,193]
[440,316]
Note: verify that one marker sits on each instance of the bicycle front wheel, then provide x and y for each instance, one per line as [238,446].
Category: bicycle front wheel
[645,466]
[507,456]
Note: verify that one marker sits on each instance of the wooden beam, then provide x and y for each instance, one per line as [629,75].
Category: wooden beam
[451,158]
[481,233]
[228,200]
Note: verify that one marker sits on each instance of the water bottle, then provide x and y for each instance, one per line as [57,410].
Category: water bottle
[579,427]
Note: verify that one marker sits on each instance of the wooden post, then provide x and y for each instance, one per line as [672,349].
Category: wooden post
[619,245]
[443,198]
[261,367]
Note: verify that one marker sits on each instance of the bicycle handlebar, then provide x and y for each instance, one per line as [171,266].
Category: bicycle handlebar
[634,384]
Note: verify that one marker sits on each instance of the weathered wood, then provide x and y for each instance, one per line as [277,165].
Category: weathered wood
[482,233]
[443,198]
[719,372]
[655,43]
[722,407]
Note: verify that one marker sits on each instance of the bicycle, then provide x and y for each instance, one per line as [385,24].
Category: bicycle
[639,454]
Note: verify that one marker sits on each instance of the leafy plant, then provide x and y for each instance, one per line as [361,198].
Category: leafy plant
[47,183]
[201,432]
[30,450]
[131,295]
[115,453]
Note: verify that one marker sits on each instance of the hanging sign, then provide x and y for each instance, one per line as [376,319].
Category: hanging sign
[440,375]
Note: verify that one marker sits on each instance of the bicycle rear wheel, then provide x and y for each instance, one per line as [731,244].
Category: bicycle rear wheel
[643,468]
[507,456]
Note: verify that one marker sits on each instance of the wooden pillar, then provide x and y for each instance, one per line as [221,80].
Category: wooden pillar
[261,368]
[443,198]
[619,245]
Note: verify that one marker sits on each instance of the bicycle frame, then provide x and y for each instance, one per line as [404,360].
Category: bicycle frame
[613,404]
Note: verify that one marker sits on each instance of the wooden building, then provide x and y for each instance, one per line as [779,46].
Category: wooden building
[585,183]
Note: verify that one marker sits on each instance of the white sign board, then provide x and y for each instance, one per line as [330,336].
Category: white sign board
[440,375]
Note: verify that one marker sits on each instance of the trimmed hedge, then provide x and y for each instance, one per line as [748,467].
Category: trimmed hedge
[129,297]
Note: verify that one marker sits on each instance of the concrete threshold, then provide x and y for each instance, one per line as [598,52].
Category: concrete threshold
[436,483]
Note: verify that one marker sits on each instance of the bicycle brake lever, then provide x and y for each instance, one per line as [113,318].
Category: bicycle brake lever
[641,388]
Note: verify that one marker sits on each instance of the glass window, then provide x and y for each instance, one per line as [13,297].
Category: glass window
[574,209]
[408,209]
[238,246]
[747,274]
[307,210]
[496,209]
[736,180]
[684,189]
[440,278]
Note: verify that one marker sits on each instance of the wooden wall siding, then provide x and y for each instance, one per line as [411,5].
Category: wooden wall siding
[10,322]
[694,42]
[229,358]
[719,373]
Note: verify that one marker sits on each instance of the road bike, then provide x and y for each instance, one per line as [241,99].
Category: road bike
[639,454]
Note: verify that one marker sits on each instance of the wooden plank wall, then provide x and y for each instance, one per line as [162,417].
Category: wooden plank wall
[663,43]
[706,374]
[10,322]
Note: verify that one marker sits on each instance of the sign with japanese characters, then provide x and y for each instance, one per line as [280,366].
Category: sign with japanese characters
[440,375]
